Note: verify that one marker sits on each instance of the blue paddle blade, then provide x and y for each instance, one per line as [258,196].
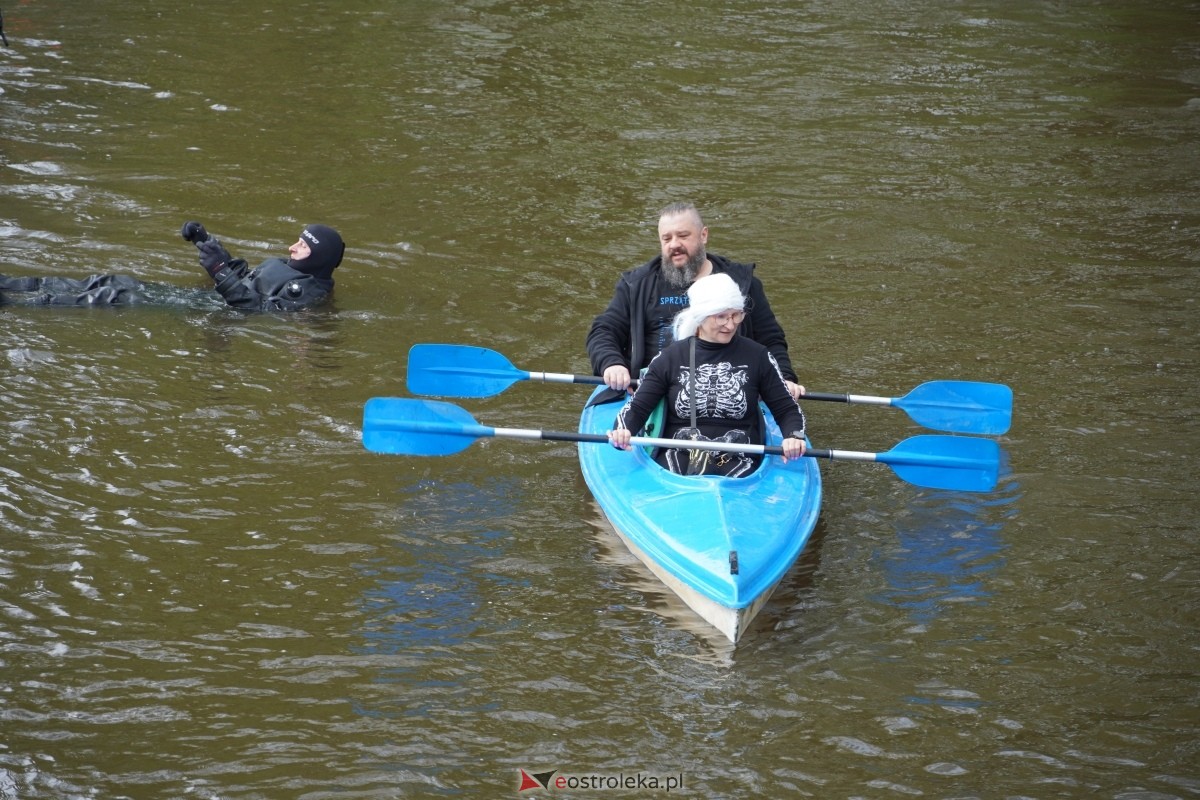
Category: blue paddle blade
[961,463]
[406,426]
[452,370]
[962,406]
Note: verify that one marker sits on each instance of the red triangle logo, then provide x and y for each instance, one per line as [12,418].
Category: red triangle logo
[527,782]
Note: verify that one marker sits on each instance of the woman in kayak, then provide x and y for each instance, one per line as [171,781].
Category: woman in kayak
[712,379]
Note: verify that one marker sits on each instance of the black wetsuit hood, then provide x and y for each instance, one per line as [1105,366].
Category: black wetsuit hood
[327,251]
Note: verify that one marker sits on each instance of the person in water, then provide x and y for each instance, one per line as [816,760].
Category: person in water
[712,378]
[303,281]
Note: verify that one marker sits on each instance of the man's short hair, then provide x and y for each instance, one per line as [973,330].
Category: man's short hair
[681,207]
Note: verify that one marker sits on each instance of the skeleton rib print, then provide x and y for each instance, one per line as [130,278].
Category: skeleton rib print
[720,391]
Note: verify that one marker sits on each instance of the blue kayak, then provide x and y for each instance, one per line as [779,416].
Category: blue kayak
[721,544]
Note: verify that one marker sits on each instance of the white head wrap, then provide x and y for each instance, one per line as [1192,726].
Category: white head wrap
[709,295]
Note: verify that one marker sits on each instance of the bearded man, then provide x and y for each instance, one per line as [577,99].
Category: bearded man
[636,325]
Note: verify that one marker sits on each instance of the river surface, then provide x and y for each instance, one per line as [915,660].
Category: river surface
[209,589]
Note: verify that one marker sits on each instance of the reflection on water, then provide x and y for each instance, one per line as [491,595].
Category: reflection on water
[433,585]
[946,546]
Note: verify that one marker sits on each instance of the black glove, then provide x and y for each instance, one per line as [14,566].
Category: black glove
[193,232]
[212,256]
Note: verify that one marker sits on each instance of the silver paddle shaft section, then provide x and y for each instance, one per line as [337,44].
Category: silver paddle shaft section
[842,455]
[868,400]
[562,377]
[859,399]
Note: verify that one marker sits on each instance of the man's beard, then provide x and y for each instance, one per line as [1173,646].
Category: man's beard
[685,276]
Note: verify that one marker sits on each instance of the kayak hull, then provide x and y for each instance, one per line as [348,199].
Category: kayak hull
[721,544]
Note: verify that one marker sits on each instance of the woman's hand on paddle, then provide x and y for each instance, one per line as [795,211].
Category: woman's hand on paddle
[794,389]
[620,438]
[792,448]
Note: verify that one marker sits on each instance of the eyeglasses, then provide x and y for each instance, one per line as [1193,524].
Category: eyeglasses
[735,317]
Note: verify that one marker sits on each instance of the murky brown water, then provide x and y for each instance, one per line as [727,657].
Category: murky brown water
[209,589]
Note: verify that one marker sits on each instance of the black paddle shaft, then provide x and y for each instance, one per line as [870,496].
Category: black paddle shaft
[769,449]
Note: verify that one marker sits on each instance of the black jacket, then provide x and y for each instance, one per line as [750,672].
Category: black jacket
[730,380]
[271,286]
[618,333]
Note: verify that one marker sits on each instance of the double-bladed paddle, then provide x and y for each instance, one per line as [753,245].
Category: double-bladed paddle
[407,426]
[454,370]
